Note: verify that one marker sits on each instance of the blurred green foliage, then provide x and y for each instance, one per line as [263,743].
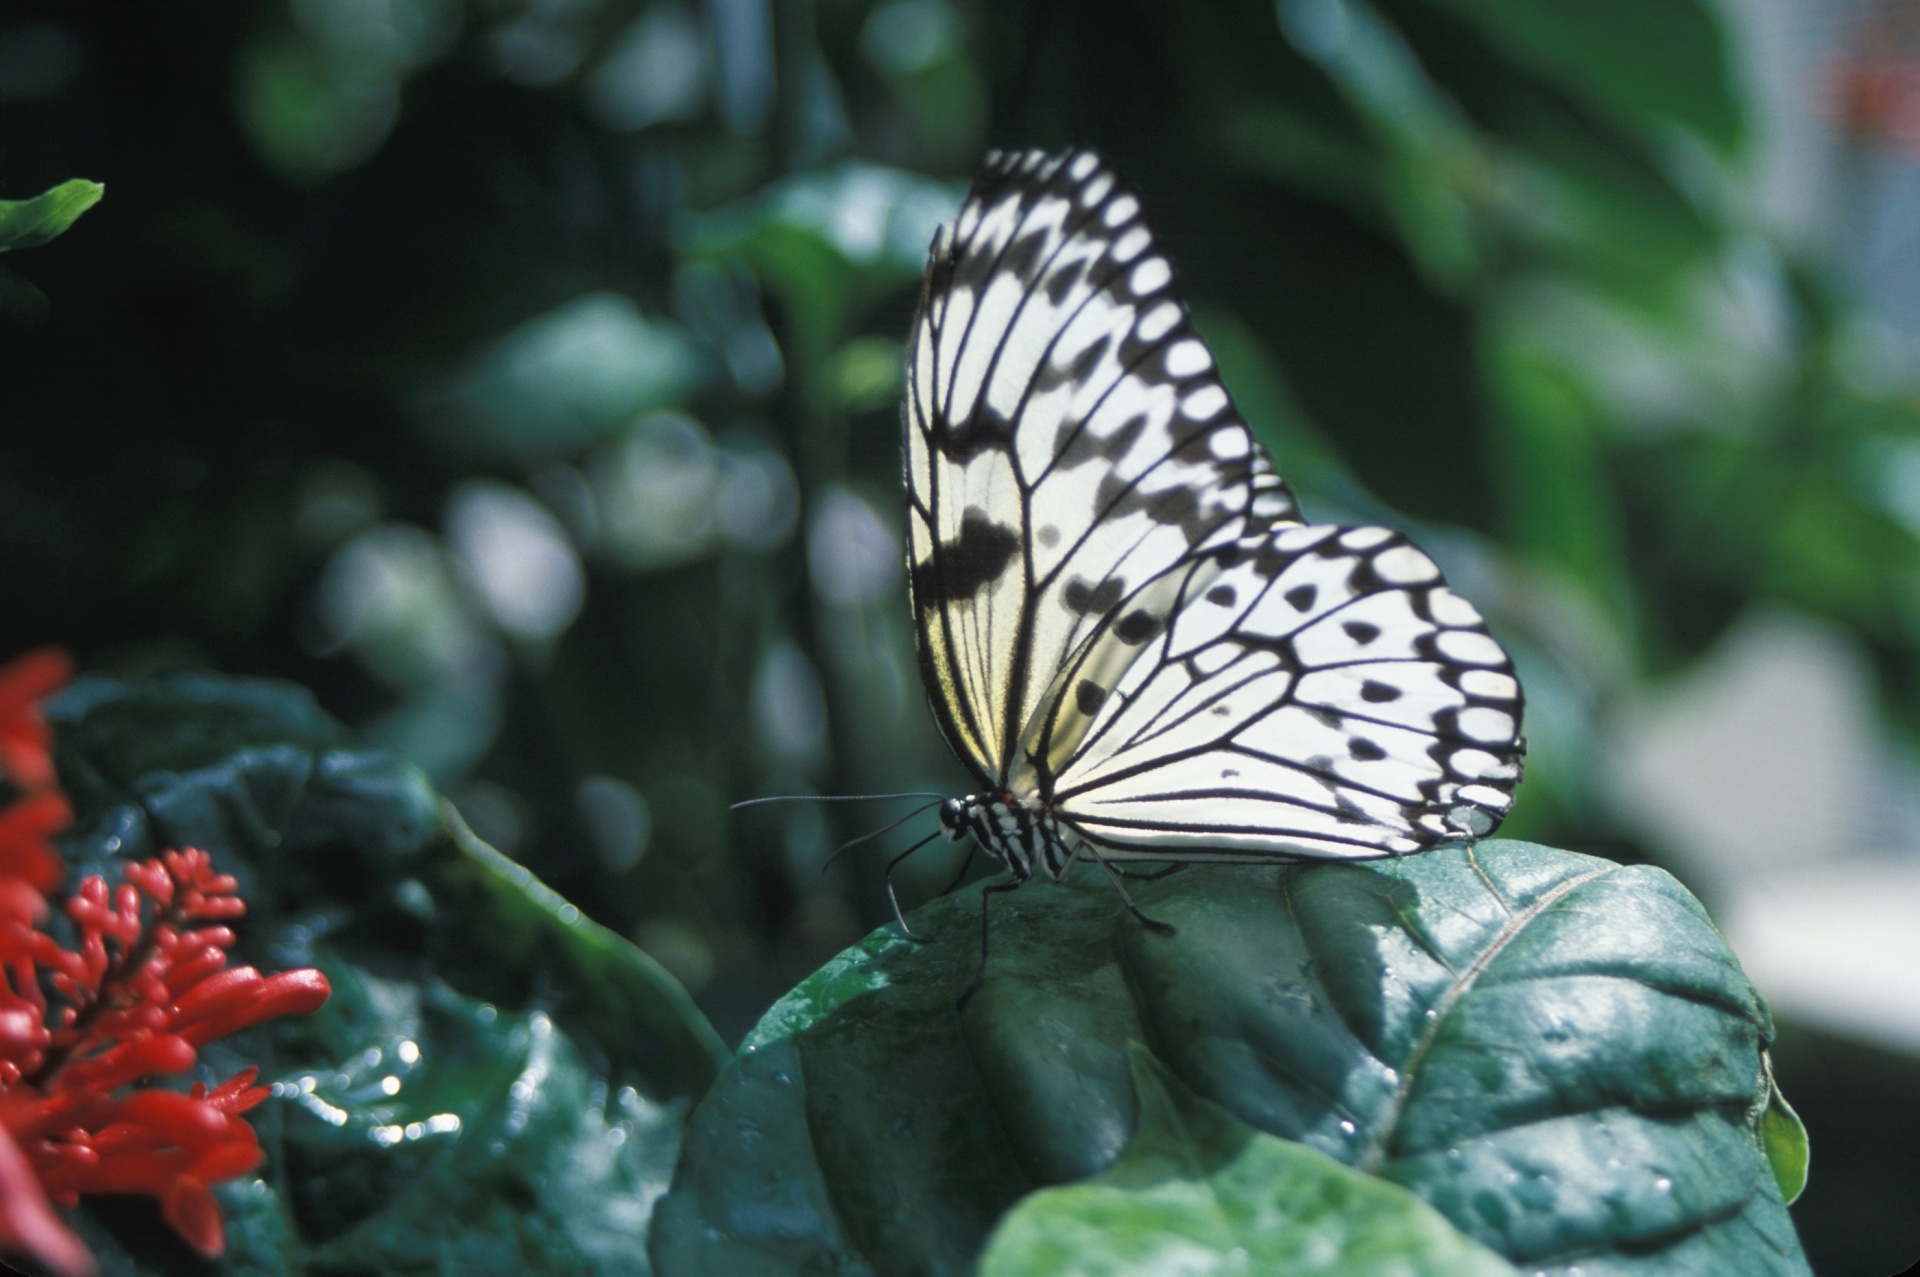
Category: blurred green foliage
[519,375]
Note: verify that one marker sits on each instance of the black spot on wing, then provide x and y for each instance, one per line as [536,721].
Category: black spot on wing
[1301,597]
[1093,599]
[1061,282]
[1088,697]
[1365,750]
[1024,256]
[1137,626]
[960,568]
[962,441]
[1378,693]
[1075,444]
[1361,632]
[1223,595]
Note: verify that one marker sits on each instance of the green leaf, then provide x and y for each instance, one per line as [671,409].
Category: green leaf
[1648,63]
[1785,1139]
[109,734]
[498,1084]
[446,1134]
[1198,1190]
[1555,1052]
[31,223]
[562,379]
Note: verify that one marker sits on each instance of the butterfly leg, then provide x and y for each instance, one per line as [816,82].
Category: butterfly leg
[1113,876]
[980,973]
[1155,876]
[899,917]
[973,849]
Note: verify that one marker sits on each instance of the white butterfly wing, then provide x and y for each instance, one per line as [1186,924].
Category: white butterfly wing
[1319,692]
[1068,444]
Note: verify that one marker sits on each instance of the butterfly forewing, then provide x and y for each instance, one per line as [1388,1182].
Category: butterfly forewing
[1069,445]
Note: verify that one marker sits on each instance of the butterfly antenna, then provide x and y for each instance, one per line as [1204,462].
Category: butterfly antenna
[899,917]
[851,843]
[830,798]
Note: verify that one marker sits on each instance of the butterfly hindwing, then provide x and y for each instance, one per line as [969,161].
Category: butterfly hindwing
[1068,443]
[1318,691]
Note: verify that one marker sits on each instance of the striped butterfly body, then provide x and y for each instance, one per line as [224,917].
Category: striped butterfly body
[1127,632]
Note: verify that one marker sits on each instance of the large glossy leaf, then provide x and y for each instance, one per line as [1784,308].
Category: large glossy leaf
[1196,1189]
[1557,1053]
[498,1084]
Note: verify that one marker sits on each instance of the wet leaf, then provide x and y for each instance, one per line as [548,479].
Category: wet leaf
[498,1084]
[1558,1054]
[1196,1189]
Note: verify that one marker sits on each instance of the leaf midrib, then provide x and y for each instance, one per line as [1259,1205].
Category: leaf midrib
[1375,1156]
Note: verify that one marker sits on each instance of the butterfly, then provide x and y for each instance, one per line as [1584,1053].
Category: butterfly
[1128,633]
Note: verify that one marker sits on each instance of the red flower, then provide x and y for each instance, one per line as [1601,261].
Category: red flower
[145,986]
[26,744]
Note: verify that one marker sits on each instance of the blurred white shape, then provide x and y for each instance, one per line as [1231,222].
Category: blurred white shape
[853,554]
[756,501]
[657,70]
[1765,754]
[1835,946]
[617,819]
[391,596]
[1785,54]
[789,708]
[576,372]
[535,52]
[743,39]
[654,490]
[666,494]
[518,558]
[872,214]
[905,36]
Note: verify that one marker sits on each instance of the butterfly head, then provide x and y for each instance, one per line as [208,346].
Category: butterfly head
[956,817]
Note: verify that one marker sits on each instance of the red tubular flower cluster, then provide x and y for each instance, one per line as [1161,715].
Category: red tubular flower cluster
[83,1030]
